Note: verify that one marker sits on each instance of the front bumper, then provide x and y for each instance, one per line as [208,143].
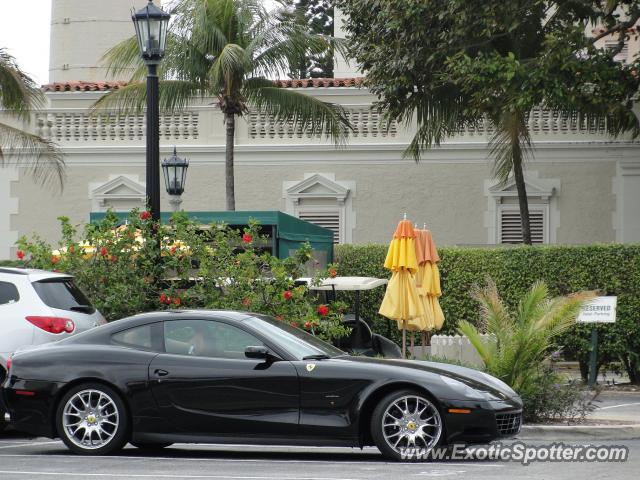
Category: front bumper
[485,422]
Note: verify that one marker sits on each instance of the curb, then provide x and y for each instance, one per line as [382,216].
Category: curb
[579,432]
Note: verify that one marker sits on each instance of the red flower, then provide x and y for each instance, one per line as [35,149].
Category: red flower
[323,310]
[279,317]
[246,238]
[308,325]
[173,250]
[177,301]
[20,254]
[333,272]
[146,215]
[169,300]
[163,298]
[103,251]
[245,302]
[72,249]
[294,324]
[54,259]
[287,295]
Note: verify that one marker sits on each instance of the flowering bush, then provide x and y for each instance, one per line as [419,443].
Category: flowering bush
[125,270]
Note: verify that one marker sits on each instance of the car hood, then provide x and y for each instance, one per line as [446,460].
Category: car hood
[473,378]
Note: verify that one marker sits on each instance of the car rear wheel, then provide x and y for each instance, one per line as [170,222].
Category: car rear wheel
[406,425]
[92,420]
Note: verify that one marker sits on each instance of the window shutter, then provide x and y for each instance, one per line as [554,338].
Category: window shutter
[511,226]
[326,219]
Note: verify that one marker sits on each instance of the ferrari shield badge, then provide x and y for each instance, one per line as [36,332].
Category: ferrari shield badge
[310,367]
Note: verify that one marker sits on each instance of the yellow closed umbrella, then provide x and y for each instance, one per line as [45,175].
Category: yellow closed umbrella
[401,300]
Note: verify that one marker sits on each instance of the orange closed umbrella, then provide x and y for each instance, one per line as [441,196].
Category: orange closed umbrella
[428,279]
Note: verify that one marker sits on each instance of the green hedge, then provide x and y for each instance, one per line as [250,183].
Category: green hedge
[611,269]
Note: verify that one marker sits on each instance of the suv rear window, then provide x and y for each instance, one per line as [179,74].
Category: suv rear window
[64,295]
[8,293]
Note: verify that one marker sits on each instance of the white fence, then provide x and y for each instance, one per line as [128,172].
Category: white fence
[456,347]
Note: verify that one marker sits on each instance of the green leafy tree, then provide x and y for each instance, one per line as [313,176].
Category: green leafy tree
[452,64]
[317,16]
[521,340]
[19,96]
[230,50]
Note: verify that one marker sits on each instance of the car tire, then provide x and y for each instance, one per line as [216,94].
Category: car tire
[92,420]
[150,446]
[404,419]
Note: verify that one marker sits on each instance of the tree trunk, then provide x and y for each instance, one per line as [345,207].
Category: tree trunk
[230,121]
[523,201]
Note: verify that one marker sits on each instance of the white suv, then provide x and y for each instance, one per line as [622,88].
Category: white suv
[38,307]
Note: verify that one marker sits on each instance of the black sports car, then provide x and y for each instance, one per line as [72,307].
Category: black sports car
[218,376]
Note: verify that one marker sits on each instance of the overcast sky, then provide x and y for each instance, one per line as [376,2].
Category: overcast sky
[24,32]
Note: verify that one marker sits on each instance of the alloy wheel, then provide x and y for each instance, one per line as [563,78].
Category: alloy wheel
[90,419]
[411,421]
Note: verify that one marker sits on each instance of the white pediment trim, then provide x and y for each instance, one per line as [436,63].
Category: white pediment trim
[536,187]
[118,187]
[317,186]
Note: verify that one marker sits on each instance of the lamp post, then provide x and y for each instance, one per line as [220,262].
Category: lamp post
[151,29]
[175,176]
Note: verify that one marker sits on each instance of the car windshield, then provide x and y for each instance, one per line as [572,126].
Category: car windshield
[297,342]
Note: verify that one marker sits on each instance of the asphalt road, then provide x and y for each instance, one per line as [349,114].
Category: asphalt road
[618,406]
[41,458]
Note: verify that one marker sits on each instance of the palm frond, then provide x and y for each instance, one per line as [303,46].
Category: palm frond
[437,118]
[485,349]
[41,157]
[510,144]
[307,113]
[174,95]
[229,68]
[125,58]
[19,93]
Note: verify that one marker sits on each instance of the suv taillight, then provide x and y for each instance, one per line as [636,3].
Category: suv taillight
[53,324]
[9,362]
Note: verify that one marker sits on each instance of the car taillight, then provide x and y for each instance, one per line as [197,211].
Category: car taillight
[53,324]
[9,362]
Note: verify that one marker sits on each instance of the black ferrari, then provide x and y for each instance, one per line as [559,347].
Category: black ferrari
[233,377]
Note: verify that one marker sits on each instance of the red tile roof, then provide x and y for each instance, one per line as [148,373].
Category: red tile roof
[79,86]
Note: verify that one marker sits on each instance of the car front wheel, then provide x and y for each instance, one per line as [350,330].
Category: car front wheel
[406,425]
[92,420]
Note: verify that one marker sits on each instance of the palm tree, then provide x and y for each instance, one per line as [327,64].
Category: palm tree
[230,50]
[19,96]
[522,340]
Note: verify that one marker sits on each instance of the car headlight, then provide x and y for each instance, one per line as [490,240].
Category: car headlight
[499,384]
[465,389]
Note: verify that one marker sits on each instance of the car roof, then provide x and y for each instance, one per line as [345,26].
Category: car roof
[143,318]
[34,274]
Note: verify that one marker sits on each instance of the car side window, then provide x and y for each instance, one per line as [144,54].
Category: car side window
[137,337]
[207,338]
[8,293]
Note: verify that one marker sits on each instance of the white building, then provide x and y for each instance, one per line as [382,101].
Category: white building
[583,186]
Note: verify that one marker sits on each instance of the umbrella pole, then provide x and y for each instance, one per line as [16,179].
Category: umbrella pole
[404,339]
[413,345]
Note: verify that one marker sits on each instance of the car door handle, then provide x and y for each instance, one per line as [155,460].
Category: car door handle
[160,373]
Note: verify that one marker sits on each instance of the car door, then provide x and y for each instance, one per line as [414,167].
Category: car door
[204,384]
[330,391]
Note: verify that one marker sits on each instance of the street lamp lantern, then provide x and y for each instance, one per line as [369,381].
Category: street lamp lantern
[175,176]
[151,25]
[151,29]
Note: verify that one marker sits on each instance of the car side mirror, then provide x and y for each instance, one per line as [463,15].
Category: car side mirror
[258,352]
